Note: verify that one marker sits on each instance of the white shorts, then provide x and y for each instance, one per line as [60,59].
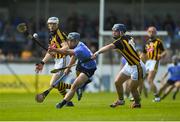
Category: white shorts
[136,72]
[61,62]
[151,65]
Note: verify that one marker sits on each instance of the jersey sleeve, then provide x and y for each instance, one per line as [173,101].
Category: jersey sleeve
[77,51]
[118,44]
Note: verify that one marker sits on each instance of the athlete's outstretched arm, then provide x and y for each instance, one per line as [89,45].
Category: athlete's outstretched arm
[63,51]
[103,49]
[72,61]
[163,54]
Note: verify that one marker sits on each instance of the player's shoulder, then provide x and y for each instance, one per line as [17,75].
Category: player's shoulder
[159,40]
[127,37]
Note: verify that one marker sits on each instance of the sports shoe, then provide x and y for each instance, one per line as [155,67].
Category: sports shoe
[69,104]
[117,103]
[157,99]
[131,99]
[59,105]
[79,92]
[136,105]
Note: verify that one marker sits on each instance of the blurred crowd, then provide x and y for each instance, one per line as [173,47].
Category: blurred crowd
[14,46]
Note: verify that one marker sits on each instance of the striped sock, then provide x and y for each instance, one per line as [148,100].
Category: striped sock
[62,88]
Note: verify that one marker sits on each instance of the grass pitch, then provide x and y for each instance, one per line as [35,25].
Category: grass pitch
[93,106]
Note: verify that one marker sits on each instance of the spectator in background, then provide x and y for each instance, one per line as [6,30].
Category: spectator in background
[110,20]
[26,55]
[169,25]
[127,21]
[72,22]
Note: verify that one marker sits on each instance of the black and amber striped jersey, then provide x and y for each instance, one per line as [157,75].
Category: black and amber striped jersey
[126,47]
[153,48]
[57,38]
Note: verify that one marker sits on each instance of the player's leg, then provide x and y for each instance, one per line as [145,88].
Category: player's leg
[162,89]
[127,88]
[81,89]
[119,80]
[151,68]
[170,88]
[145,90]
[134,91]
[137,75]
[150,79]
[62,62]
[82,78]
[61,86]
[177,85]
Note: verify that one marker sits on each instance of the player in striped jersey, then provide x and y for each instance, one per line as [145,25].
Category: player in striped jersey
[134,69]
[58,40]
[153,52]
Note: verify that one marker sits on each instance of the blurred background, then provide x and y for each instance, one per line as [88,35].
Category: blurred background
[18,55]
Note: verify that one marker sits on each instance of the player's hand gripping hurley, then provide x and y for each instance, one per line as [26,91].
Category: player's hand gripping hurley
[40,97]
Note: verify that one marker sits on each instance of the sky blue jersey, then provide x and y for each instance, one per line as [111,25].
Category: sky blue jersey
[174,71]
[82,52]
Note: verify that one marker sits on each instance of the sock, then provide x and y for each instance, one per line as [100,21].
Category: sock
[63,85]
[62,88]
[63,92]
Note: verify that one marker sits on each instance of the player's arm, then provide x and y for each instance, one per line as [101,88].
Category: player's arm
[40,65]
[161,47]
[163,54]
[47,57]
[103,49]
[72,61]
[143,56]
[64,45]
[63,51]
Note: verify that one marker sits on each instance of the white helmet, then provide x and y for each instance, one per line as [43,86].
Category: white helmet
[53,20]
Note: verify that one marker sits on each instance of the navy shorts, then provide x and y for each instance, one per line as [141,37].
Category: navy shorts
[88,72]
[171,82]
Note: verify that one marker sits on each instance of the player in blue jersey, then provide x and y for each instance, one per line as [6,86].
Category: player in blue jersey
[78,50]
[173,81]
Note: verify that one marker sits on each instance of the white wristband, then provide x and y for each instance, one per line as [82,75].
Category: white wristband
[96,54]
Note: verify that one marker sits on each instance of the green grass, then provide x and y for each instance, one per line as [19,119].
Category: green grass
[21,106]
